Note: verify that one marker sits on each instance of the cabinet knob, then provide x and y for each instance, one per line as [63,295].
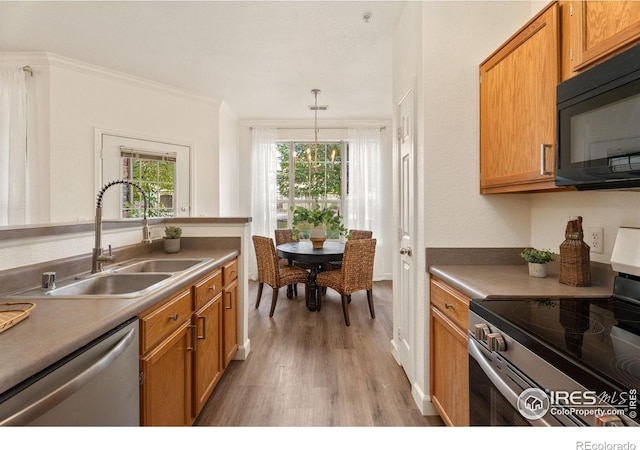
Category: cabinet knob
[448,305]
[174,316]
[406,251]
[212,288]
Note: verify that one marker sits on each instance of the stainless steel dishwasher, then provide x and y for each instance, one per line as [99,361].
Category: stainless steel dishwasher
[97,385]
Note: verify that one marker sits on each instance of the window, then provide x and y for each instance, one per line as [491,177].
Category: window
[162,169]
[308,176]
[156,176]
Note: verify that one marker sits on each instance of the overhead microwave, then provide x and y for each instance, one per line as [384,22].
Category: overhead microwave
[598,125]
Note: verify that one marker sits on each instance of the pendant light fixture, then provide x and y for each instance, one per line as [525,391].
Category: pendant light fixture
[315,109]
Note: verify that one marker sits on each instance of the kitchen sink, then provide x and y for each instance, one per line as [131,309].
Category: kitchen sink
[160,265]
[115,284]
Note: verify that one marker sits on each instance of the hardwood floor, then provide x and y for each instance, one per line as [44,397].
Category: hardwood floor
[309,369]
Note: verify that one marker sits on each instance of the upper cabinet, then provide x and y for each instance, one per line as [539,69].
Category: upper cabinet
[600,29]
[517,108]
[518,87]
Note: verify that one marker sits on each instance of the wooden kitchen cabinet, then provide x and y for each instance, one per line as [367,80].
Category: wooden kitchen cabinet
[230,317]
[600,29]
[166,362]
[518,107]
[449,323]
[207,362]
[186,343]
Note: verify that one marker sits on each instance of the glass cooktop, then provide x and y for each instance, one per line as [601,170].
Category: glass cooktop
[594,341]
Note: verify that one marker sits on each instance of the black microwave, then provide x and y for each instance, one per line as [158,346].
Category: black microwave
[598,125]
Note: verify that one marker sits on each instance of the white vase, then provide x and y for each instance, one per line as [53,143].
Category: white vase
[317,235]
[538,270]
[171,245]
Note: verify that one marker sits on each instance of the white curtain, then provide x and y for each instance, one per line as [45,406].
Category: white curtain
[13,146]
[363,206]
[264,158]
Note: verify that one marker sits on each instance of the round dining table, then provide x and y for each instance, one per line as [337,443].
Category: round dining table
[303,251]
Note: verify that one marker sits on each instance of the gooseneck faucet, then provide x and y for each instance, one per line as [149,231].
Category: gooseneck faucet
[99,257]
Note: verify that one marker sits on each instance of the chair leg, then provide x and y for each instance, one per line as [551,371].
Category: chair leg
[290,291]
[295,290]
[274,299]
[260,286]
[370,299]
[344,309]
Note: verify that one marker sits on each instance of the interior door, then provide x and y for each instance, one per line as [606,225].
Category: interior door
[406,282]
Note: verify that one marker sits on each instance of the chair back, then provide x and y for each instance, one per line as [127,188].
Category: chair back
[360,234]
[284,236]
[357,265]
[267,260]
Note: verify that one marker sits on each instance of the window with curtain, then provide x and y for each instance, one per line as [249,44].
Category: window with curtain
[278,181]
[306,177]
[13,146]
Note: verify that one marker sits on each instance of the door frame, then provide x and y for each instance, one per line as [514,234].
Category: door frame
[99,134]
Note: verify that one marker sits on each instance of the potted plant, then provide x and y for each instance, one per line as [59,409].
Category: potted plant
[172,239]
[537,260]
[316,222]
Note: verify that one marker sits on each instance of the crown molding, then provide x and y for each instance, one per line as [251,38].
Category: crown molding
[35,59]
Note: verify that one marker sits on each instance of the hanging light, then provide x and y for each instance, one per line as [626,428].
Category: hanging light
[315,109]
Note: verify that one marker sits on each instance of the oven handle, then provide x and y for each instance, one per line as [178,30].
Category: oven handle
[498,382]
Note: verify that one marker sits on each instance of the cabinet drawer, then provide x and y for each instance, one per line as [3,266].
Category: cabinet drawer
[451,303]
[164,320]
[230,272]
[207,288]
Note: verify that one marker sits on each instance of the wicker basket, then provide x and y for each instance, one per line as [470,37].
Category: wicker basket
[13,313]
[575,265]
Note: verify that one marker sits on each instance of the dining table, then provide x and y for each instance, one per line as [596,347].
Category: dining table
[315,258]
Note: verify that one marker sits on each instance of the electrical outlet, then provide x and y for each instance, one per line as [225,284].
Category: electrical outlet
[595,236]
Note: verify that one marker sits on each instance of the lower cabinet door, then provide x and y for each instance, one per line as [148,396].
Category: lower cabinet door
[230,323]
[208,355]
[449,370]
[166,381]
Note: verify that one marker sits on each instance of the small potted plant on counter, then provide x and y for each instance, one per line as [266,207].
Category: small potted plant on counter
[537,260]
[172,239]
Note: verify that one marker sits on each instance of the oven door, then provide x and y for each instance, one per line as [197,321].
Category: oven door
[494,390]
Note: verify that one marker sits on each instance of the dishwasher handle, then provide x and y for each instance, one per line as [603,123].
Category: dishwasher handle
[498,382]
[49,401]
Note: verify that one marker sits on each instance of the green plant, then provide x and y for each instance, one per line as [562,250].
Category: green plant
[172,232]
[535,256]
[316,216]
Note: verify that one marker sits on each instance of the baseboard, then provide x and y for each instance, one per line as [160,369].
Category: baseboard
[423,401]
[243,351]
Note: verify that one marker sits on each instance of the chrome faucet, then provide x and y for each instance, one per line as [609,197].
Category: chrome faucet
[99,257]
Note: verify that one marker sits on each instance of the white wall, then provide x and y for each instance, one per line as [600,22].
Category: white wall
[229,177]
[440,45]
[73,98]
[606,209]
[458,37]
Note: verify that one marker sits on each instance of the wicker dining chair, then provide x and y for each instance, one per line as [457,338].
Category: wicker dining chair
[353,234]
[273,273]
[356,274]
[284,236]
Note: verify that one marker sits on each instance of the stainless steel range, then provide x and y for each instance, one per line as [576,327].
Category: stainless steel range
[560,361]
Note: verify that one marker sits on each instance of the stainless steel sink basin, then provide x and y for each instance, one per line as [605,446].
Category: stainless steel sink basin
[116,284]
[160,265]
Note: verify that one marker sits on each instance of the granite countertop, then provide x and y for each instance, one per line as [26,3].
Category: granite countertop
[502,281]
[58,326]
